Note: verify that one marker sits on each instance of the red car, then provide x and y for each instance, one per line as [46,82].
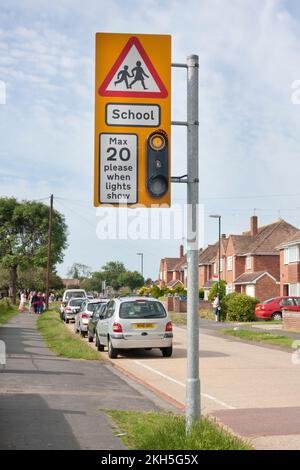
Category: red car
[271,309]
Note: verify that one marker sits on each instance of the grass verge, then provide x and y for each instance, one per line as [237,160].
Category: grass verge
[62,341]
[179,319]
[156,431]
[261,337]
[7,311]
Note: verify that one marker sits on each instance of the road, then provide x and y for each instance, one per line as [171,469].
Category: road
[47,402]
[254,390]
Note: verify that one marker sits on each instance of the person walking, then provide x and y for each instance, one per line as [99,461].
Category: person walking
[22,302]
[216,309]
[40,303]
[34,302]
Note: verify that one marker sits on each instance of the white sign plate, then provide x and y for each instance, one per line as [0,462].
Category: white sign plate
[118,161]
[137,115]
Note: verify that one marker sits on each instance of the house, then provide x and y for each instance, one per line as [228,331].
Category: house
[71,283]
[290,265]
[251,263]
[207,259]
[171,270]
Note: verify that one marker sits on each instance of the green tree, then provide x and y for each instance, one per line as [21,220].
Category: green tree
[79,271]
[24,237]
[155,291]
[111,272]
[131,279]
[214,290]
[240,307]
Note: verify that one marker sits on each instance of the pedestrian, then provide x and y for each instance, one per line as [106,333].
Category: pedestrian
[216,308]
[22,302]
[123,76]
[34,302]
[40,303]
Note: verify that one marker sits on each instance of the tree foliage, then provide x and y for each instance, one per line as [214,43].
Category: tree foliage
[214,290]
[79,271]
[24,236]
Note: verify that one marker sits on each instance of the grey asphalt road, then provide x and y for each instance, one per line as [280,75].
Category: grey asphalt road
[47,402]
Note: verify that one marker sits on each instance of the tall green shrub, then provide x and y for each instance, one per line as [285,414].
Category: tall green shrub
[240,307]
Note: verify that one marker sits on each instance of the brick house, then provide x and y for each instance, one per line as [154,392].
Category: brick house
[171,270]
[207,258]
[251,262]
[290,265]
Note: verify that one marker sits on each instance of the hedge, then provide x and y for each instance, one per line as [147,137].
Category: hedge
[240,307]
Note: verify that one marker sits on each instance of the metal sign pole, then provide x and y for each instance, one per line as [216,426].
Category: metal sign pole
[193,380]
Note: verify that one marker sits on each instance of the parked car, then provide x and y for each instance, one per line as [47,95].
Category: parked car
[82,318]
[71,309]
[69,294]
[134,323]
[93,320]
[271,309]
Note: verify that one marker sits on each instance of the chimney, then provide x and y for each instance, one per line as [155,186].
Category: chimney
[224,235]
[181,253]
[253,225]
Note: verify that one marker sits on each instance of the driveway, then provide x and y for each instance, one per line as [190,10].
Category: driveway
[47,402]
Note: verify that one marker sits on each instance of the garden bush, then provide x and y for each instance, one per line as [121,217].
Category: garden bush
[240,307]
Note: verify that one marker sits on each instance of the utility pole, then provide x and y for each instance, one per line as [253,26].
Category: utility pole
[142,262]
[192,408]
[193,379]
[49,251]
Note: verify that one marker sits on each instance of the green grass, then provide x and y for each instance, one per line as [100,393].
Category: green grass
[7,311]
[179,319]
[62,341]
[265,337]
[157,431]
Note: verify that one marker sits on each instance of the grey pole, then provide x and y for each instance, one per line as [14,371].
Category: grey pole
[142,262]
[193,380]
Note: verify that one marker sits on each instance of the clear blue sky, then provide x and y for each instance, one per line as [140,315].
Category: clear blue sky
[249,129]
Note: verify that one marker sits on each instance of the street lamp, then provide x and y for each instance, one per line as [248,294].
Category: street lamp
[142,262]
[216,216]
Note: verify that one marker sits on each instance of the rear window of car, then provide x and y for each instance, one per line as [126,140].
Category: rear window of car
[268,301]
[76,302]
[140,309]
[75,294]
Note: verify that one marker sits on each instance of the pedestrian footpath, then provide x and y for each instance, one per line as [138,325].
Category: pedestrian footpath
[47,402]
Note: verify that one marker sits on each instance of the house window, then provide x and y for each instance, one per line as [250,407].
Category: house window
[293,289]
[293,253]
[229,263]
[286,256]
[248,262]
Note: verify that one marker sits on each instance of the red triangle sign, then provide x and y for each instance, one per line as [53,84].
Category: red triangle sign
[133,75]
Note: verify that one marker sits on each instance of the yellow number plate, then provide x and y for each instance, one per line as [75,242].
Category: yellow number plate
[139,326]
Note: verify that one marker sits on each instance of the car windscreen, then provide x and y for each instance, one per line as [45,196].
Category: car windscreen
[76,302]
[92,306]
[142,309]
[75,294]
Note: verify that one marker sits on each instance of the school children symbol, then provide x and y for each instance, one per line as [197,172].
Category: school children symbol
[133,74]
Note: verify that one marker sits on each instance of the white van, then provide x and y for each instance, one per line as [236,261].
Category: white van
[71,294]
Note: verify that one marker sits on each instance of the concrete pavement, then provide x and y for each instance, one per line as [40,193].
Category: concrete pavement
[47,402]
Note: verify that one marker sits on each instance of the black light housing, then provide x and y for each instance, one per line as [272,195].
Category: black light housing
[157,154]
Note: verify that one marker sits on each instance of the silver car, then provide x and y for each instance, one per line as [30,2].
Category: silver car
[134,323]
[71,309]
[84,314]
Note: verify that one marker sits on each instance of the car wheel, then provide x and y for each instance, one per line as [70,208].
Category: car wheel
[90,338]
[99,346]
[277,316]
[66,320]
[112,352]
[167,352]
[83,333]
